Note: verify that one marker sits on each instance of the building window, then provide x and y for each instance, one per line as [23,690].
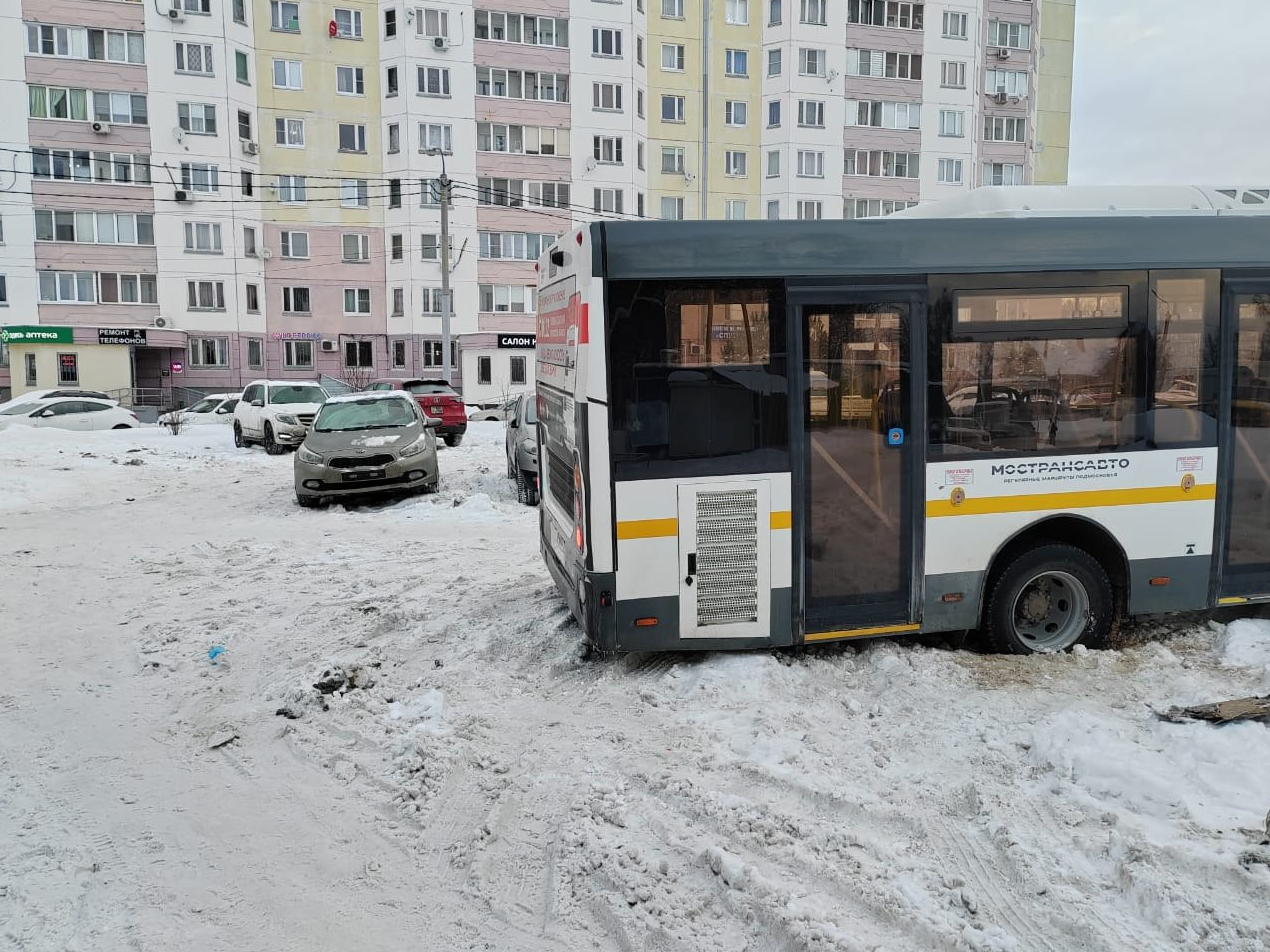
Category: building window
[358,353]
[734,209]
[429,247]
[773,211]
[284,16]
[811,62]
[289,133]
[398,302]
[68,287]
[390,82]
[774,62]
[355,247]
[774,114]
[434,81]
[1011,36]
[672,108]
[1002,173]
[396,248]
[514,298]
[56,102]
[102,228]
[295,244]
[882,163]
[433,136]
[672,159]
[774,163]
[902,16]
[812,12]
[297,354]
[433,23]
[295,300]
[202,237]
[518,370]
[209,351]
[255,351]
[734,163]
[882,64]
[607,149]
[196,118]
[672,9]
[672,57]
[606,97]
[348,24]
[484,371]
[194,58]
[390,24]
[128,288]
[955,25]
[205,295]
[737,12]
[247,182]
[1006,82]
[952,74]
[394,193]
[394,138]
[950,171]
[1004,129]
[952,122]
[249,241]
[253,300]
[398,348]
[354,193]
[735,112]
[606,42]
[32,377]
[811,113]
[240,11]
[292,189]
[67,369]
[350,80]
[288,74]
[244,124]
[241,69]
[810,211]
[608,201]
[672,209]
[352,137]
[811,164]
[884,115]
[356,301]
[735,63]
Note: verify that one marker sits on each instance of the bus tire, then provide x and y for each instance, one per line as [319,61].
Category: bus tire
[1050,599]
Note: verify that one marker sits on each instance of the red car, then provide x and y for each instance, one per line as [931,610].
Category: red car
[437,399]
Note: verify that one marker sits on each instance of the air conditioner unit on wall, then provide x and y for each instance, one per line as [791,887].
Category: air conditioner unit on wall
[441,43]
[101,128]
[183,196]
[1000,97]
[329,346]
[249,147]
[175,16]
[162,322]
[1003,53]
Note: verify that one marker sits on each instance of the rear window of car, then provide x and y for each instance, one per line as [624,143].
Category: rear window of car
[430,388]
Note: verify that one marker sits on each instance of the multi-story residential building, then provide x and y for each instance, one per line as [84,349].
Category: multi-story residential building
[241,188]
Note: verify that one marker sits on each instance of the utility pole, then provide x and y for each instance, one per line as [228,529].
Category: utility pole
[446,303]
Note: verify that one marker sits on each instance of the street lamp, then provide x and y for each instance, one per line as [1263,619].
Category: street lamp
[446,308]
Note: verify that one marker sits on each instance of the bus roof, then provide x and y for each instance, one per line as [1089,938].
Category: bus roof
[900,245]
[1053,201]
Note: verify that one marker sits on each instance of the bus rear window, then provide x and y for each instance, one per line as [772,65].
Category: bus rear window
[697,374]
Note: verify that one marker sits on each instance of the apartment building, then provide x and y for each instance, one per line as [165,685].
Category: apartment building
[208,191]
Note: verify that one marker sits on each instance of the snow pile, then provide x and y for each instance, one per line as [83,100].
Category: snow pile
[1247,644]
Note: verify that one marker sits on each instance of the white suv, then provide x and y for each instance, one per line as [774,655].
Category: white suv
[277,413]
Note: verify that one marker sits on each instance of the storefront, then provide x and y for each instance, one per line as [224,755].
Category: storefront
[139,360]
[496,366]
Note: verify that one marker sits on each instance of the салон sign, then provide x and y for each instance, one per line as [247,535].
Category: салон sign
[518,341]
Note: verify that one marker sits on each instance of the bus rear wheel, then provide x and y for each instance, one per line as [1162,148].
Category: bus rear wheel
[1050,599]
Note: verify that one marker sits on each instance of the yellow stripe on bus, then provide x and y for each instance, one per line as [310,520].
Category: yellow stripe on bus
[971,506]
[647,528]
[1232,600]
[782,519]
[861,632]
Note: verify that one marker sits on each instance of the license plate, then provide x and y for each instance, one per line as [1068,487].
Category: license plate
[559,541]
[363,476]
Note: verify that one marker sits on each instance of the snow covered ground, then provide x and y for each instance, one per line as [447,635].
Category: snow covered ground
[483,786]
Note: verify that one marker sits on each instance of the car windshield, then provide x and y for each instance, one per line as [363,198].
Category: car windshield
[430,387]
[297,394]
[21,408]
[368,414]
[204,406]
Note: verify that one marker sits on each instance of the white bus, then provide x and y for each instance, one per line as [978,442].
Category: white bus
[1034,413]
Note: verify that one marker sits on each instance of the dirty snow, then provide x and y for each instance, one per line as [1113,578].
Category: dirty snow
[465,779]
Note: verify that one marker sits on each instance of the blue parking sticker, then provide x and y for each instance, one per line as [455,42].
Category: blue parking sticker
[895,436]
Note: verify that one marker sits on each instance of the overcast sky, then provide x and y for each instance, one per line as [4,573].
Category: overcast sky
[1171,92]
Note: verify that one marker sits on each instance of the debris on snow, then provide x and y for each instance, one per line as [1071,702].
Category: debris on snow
[1222,712]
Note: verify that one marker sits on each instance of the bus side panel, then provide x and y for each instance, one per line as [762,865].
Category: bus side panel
[1158,506]
[650,570]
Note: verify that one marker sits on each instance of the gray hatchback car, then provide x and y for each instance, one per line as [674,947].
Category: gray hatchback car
[367,443]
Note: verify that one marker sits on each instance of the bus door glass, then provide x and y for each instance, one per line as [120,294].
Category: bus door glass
[857,490]
[1247,569]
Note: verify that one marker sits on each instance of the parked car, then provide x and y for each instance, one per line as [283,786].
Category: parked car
[437,398]
[277,413]
[501,413]
[33,396]
[69,413]
[364,443]
[522,448]
[213,408]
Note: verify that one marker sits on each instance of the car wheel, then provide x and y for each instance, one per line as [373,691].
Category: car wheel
[520,486]
[453,439]
[308,502]
[240,441]
[1048,600]
[272,446]
[531,490]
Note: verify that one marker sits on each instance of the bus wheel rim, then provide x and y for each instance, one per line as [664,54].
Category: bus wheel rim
[1051,611]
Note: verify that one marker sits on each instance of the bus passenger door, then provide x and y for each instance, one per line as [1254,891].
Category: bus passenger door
[725,559]
[858,528]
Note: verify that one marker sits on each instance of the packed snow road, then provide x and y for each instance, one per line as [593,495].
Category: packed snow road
[471,781]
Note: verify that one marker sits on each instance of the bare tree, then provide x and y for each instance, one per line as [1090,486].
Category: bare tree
[176,420]
[357,377]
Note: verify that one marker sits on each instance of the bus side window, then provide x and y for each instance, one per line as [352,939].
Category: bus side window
[1185,385]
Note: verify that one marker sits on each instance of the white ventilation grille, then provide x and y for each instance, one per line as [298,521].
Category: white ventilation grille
[727,557]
